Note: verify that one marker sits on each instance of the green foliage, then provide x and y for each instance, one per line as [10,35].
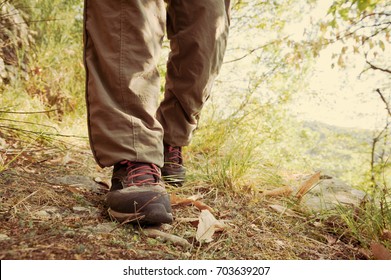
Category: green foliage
[367,224]
[15,44]
[362,25]
[56,77]
[229,152]
[362,28]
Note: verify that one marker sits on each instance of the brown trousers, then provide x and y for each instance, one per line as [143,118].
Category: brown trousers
[122,44]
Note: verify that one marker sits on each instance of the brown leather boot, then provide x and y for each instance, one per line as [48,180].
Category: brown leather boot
[173,171]
[137,194]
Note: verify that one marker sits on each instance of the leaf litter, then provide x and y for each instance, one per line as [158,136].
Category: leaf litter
[208,225]
[254,232]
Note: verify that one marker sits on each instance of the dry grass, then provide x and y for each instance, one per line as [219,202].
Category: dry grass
[254,230]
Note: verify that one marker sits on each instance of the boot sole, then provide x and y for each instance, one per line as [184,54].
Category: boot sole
[149,205]
[153,214]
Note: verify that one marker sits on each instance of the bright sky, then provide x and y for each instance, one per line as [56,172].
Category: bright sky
[333,96]
[342,98]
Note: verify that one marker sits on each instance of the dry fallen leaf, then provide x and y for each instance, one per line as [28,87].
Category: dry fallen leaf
[280,243]
[307,185]
[192,200]
[331,240]
[193,221]
[104,182]
[283,191]
[62,160]
[284,210]
[196,197]
[202,206]
[207,226]
[366,253]
[177,200]
[380,252]
[386,235]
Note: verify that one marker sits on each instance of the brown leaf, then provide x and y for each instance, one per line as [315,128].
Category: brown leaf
[284,210]
[283,191]
[196,197]
[307,185]
[366,253]
[202,206]
[207,226]
[192,200]
[103,182]
[72,189]
[62,160]
[193,221]
[380,252]
[176,200]
[386,235]
[331,240]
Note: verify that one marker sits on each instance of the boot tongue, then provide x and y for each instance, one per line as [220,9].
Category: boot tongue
[142,173]
[173,156]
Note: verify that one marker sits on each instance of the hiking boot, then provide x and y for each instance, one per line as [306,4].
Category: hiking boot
[137,194]
[173,171]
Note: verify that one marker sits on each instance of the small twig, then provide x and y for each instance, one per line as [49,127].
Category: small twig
[128,220]
[374,67]
[26,113]
[43,133]
[251,51]
[44,125]
[148,202]
[20,201]
[385,101]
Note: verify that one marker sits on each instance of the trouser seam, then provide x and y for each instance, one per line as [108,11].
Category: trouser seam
[122,83]
[85,38]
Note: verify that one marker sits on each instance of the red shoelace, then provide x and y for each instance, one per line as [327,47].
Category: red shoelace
[175,155]
[142,173]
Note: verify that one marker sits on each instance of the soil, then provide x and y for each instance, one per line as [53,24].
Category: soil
[53,207]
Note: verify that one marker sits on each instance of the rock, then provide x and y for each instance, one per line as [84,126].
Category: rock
[42,215]
[4,237]
[52,210]
[83,182]
[49,212]
[90,211]
[101,228]
[330,193]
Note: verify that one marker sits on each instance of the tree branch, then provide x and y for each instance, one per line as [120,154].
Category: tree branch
[385,101]
[252,51]
[374,67]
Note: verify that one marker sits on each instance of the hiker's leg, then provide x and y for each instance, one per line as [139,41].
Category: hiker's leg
[198,35]
[122,47]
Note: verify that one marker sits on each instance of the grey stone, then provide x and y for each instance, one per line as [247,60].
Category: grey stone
[42,214]
[4,237]
[101,228]
[331,193]
[48,212]
[51,210]
[92,211]
[80,181]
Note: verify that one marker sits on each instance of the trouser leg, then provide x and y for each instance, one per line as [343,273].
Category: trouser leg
[198,36]
[122,47]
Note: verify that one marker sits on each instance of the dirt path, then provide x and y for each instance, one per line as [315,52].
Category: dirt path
[52,208]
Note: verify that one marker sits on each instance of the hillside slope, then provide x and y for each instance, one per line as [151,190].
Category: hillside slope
[52,208]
